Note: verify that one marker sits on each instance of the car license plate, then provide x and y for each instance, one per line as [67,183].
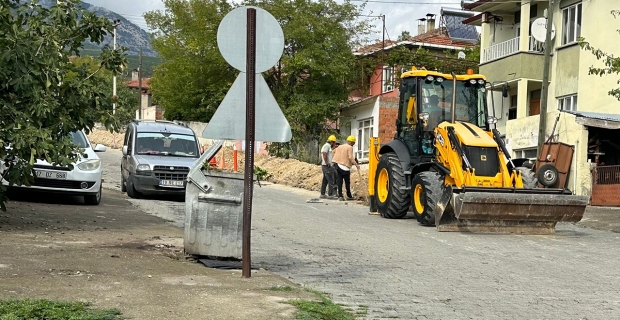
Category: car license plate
[172,183]
[51,175]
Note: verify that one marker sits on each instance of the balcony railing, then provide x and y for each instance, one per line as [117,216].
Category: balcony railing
[506,48]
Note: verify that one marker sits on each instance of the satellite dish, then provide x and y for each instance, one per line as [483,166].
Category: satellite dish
[461,55]
[539,30]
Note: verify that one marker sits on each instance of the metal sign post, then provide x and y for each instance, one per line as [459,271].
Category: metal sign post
[248,185]
[251,40]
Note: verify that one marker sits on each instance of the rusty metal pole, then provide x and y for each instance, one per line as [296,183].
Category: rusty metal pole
[249,143]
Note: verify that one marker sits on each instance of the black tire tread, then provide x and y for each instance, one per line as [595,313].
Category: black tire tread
[529,177]
[131,191]
[123,186]
[399,200]
[92,199]
[433,188]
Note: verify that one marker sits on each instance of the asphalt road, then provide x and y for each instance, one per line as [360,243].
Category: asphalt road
[399,269]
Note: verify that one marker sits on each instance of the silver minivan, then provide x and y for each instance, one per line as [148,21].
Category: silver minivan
[157,156]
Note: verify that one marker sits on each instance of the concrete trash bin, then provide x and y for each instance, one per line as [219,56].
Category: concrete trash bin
[214,219]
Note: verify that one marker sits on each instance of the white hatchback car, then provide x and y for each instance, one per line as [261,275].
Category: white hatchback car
[85,178]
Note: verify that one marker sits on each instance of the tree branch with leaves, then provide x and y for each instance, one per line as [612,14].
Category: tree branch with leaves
[611,63]
[40,104]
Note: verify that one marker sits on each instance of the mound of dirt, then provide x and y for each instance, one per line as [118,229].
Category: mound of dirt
[111,140]
[307,176]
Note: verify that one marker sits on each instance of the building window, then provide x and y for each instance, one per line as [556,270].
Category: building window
[535,102]
[568,103]
[571,24]
[526,153]
[388,79]
[364,133]
[512,111]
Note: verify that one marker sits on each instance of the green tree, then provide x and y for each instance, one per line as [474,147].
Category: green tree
[611,63]
[404,36]
[404,58]
[193,77]
[310,82]
[39,104]
[472,54]
[126,99]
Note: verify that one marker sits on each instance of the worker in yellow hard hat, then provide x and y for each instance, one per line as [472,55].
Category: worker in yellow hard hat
[329,172]
[344,160]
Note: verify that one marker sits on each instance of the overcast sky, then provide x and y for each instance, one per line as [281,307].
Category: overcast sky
[399,14]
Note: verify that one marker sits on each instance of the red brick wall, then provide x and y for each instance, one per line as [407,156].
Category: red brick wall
[388,113]
[387,124]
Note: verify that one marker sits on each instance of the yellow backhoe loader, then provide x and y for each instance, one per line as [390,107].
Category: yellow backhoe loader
[449,164]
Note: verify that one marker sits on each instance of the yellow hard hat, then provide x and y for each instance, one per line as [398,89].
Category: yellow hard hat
[332,138]
[351,139]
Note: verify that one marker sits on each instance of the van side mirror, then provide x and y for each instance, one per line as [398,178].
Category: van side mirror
[505,91]
[124,150]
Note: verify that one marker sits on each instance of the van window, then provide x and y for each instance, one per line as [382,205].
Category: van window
[167,144]
[127,137]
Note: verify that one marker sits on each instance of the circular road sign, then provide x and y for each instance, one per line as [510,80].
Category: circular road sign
[232,35]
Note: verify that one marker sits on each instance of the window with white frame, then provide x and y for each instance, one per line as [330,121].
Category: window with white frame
[528,153]
[364,133]
[388,79]
[571,24]
[568,103]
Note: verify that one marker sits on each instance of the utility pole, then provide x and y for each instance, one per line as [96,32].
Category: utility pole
[116,23]
[542,126]
[140,86]
[382,52]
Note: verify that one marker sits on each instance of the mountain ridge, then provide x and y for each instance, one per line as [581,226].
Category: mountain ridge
[128,34]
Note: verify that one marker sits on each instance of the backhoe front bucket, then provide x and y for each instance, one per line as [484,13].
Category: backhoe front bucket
[530,211]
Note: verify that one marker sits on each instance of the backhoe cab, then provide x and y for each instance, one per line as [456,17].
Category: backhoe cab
[449,164]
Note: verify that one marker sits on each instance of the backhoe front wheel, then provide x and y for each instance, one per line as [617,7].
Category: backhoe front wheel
[392,199]
[427,190]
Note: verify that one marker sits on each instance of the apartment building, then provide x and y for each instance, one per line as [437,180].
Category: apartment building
[587,117]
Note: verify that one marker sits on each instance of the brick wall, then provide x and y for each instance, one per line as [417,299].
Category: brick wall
[387,124]
[388,113]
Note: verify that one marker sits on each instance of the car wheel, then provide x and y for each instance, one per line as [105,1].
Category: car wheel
[93,199]
[123,186]
[131,191]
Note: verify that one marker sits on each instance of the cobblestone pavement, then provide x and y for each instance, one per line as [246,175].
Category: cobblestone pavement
[399,269]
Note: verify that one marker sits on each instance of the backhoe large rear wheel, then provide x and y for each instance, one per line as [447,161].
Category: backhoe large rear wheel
[393,200]
[427,190]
